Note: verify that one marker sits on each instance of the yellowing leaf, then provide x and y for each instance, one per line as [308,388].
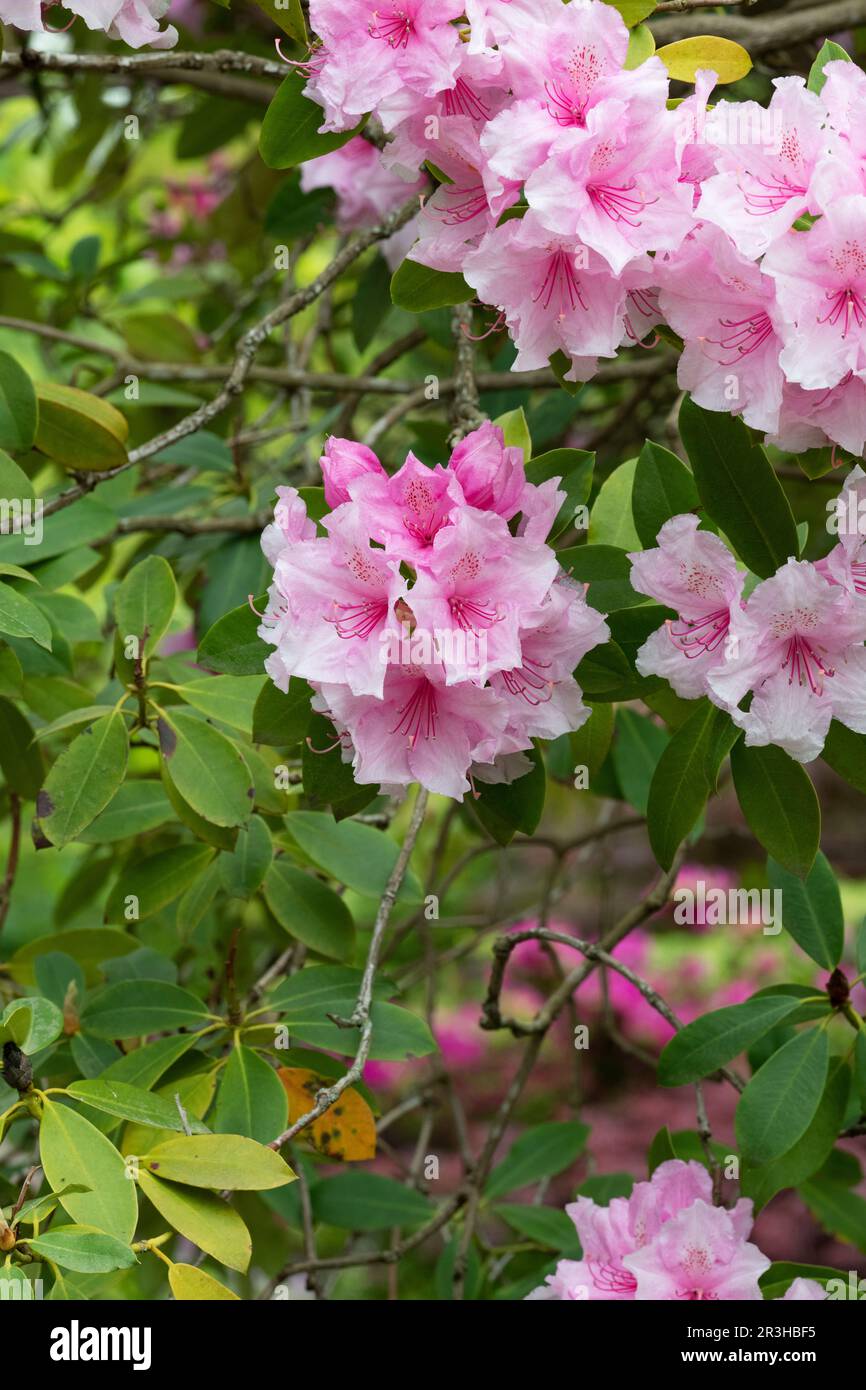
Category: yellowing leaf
[728,60]
[203,1218]
[218,1161]
[189,1284]
[347,1129]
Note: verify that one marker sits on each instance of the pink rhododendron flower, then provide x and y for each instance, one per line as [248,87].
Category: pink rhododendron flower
[698,1254]
[438,642]
[805,1291]
[665,1241]
[767,160]
[366,190]
[693,572]
[723,307]
[846,563]
[136,22]
[342,462]
[798,646]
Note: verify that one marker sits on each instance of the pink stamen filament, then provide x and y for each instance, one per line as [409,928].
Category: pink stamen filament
[359,619]
[460,100]
[700,635]
[616,204]
[564,109]
[417,718]
[529,682]
[393,26]
[858,573]
[780,191]
[342,740]
[423,529]
[799,656]
[312,65]
[745,337]
[474,202]
[611,1279]
[848,304]
[560,278]
[469,615]
[496,327]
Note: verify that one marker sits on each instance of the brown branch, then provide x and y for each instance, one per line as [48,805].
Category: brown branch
[12,861]
[762,33]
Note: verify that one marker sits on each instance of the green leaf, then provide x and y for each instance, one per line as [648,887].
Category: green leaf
[545,1225]
[15,486]
[359,1201]
[663,487]
[206,768]
[327,780]
[611,521]
[290,130]
[356,855]
[540,1152]
[242,869]
[144,603]
[738,488]
[780,1101]
[203,1218]
[134,1007]
[637,748]
[232,646]
[812,910]
[18,409]
[19,617]
[504,808]
[155,882]
[79,430]
[515,431]
[811,1151]
[31,1023]
[218,1161]
[841,1212]
[84,779]
[89,946]
[281,720]
[251,1099]
[607,570]
[860,1069]
[416,287]
[83,523]
[144,1066]
[136,807]
[309,998]
[845,752]
[83,1248]
[591,744]
[709,1042]
[829,52]
[231,699]
[779,803]
[73,1152]
[310,911]
[132,1103]
[20,758]
[684,777]
[633,11]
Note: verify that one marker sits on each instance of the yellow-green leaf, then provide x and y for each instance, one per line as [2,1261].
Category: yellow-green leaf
[79,430]
[219,1161]
[74,1153]
[728,60]
[203,1218]
[189,1284]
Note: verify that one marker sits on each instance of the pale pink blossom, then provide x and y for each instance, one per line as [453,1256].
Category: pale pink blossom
[698,1254]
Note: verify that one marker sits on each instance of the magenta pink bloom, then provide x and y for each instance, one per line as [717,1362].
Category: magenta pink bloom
[371,51]
[820,280]
[724,308]
[767,159]
[846,563]
[615,184]
[335,611]
[405,512]
[491,474]
[420,730]
[798,646]
[290,524]
[556,294]
[698,1254]
[366,189]
[342,463]
[457,215]
[477,582]
[693,572]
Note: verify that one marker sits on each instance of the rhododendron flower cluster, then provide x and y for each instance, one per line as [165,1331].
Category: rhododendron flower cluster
[432,620]
[795,644]
[586,212]
[136,22]
[666,1241]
